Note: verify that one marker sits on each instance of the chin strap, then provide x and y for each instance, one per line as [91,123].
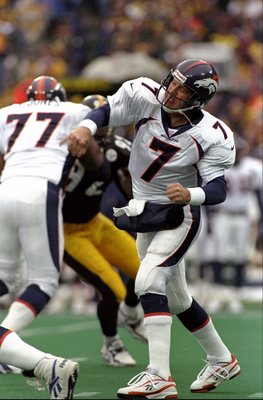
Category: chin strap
[181,111]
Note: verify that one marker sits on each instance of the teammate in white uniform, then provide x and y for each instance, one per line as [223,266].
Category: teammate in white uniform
[36,166]
[238,218]
[178,160]
[244,183]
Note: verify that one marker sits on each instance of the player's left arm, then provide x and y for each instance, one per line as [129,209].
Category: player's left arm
[214,192]
[211,168]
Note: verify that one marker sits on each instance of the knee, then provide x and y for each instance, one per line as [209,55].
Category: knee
[47,286]
[179,304]
[194,318]
[154,303]
[35,297]
[10,278]
[153,282]
[115,291]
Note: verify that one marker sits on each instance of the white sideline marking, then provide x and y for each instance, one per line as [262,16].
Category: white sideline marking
[249,314]
[50,330]
[79,359]
[256,396]
[87,394]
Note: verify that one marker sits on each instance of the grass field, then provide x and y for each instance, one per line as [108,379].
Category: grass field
[79,338]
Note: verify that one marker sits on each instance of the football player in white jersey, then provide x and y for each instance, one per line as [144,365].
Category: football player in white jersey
[178,160]
[238,217]
[35,169]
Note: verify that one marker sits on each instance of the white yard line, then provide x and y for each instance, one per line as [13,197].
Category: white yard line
[51,330]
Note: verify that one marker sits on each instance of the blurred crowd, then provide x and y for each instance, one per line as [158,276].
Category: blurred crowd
[61,38]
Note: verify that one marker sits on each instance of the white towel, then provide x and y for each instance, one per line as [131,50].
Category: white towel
[134,207]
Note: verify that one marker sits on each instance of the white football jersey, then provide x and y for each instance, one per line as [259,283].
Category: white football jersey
[30,136]
[242,180]
[161,155]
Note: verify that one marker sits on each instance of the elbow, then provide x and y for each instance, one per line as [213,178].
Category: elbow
[212,200]
[215,191]
[221,197]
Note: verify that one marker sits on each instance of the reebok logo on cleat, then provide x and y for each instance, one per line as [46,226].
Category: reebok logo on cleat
[55,386]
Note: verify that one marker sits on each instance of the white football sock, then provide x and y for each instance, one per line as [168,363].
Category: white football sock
[158,329]
[19,316]
[15,351]
[212,343]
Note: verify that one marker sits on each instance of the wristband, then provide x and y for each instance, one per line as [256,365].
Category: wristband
[88,123]
[197,196]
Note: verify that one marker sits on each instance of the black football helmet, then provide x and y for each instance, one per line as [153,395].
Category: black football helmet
[46,88]
[198,76]
[94,101]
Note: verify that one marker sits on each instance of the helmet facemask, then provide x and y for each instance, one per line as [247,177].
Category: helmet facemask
[192,102]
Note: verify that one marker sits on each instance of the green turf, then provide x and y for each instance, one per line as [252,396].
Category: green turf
[79,337]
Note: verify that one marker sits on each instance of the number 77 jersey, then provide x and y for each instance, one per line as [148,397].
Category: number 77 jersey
[192,154]
[30,136]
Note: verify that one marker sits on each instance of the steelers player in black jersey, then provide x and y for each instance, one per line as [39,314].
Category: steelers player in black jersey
[96,249]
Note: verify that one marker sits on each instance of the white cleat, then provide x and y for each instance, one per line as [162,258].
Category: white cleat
[60,375]
[116,354]
[215,373]
[9,369]
[148,386]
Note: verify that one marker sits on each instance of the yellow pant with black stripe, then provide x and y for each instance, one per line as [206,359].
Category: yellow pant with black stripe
[95,248]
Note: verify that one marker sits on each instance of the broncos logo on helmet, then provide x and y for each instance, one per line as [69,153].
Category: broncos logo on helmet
[208,83]
[46,88]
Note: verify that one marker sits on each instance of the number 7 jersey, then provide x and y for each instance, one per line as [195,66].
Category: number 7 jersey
[30,136]
[192,155]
